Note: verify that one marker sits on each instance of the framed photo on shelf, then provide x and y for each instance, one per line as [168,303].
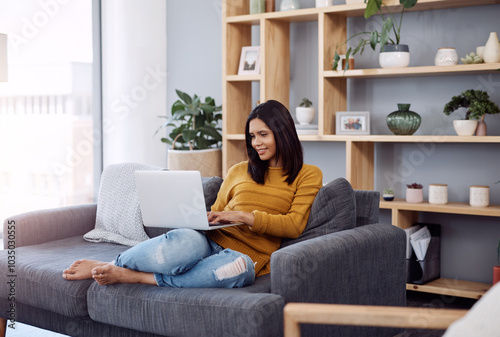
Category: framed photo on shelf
[249,61]
[352,123]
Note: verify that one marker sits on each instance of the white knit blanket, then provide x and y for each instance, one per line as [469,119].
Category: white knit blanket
[118,218]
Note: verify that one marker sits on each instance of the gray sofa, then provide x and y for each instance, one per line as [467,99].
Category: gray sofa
[343,256]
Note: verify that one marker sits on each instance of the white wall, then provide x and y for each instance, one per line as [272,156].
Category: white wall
[134,56]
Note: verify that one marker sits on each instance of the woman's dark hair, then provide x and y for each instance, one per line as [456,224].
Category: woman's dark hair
[288,147]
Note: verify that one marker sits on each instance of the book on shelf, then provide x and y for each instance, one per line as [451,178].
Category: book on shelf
[306,129]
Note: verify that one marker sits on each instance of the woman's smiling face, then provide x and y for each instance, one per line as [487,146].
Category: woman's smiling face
[263,141]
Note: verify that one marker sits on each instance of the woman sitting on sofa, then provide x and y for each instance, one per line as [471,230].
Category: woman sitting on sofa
[271,194]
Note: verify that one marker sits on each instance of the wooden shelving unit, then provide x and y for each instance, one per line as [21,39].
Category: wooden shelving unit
[274,83]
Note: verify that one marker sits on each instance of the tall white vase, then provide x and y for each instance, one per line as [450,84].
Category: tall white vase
[491,52]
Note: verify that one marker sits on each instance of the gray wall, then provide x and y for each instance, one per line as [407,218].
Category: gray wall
[468,242]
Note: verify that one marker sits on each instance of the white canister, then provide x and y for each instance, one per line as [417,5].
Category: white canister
[446,57]
[479,196]
[480,51]
[438,194]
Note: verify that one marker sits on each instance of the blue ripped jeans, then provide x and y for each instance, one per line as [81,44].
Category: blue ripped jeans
[185,258]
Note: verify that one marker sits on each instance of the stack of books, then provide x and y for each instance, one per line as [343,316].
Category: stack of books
[307,129]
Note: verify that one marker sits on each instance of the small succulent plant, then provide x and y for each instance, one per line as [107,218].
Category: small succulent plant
[306,103]
[415,186]
[471,58]
[388,191]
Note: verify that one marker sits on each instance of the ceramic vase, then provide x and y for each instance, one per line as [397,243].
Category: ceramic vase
[324,3]
[496,274]
[289,5]
[491,53]
[403,121]
[446,57]
[481,129]
[257,6]
[414,195]
[394,56]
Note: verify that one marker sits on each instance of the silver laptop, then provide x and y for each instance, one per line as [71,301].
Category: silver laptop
[173,199]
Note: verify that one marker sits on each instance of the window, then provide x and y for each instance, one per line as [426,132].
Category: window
[47,131]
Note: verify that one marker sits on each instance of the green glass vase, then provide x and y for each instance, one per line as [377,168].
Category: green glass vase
[403,121]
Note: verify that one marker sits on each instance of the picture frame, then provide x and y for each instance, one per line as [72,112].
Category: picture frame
[249,61]
[352,123]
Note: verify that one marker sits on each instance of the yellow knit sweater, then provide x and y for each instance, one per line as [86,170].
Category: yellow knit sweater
[281,210]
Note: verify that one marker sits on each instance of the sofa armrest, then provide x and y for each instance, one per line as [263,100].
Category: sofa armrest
[363,265]
[48,225]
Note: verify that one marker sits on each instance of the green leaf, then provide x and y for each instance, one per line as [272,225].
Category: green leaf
[372,7]
[336,59]
[374,39]
[384,35]
[408,3]
[185,97]
[211,131]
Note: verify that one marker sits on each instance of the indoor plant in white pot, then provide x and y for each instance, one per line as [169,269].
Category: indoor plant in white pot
[194,136]
[392,53]
[388,194]
[305,112]
[478,104]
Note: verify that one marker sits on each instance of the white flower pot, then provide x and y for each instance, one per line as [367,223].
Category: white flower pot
[465,127]
[304,115]
[394,56]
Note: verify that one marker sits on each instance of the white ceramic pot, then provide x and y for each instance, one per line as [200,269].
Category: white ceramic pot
[479,196]
[491,53]
[394,56]
[446,57]
[414,195]
[324,3]
[289,5]
[304,115]
[465,127]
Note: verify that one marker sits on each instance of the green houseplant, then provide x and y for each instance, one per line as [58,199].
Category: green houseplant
[194,123]
[194,136]
[478,104]
[388,34]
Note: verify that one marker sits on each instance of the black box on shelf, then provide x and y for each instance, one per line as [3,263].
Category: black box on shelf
[428,269]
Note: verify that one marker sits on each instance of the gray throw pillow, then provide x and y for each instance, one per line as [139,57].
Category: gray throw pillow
[119,218]
[333,210]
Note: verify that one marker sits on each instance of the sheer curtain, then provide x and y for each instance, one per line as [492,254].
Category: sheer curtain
[134,58]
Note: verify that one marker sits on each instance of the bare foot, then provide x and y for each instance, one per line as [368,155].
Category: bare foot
[111,274]
[81,269]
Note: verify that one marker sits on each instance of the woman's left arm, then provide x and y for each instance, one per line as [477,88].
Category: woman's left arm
[292,224]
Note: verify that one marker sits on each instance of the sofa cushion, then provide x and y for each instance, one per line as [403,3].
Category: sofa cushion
[189,312]
[333,210]
[39,268]
[118,218]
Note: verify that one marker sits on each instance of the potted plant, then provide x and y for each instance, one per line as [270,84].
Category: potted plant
[414,193]
[305,112]
[392,53]
[195,138]
[496,269]
[388,194]
[478,104]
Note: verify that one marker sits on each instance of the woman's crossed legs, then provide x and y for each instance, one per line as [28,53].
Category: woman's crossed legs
[179,258]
